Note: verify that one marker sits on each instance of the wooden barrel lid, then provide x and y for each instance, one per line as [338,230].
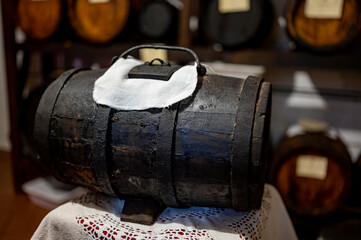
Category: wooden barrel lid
[98,21]
[323,34]
[157,18]
[311,194]
[39,19]
[312,173]
[234,29]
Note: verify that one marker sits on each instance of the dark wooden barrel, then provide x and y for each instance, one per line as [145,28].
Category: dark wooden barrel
[39,19]
[236,29]
[323,34]
[357,180]
[312,171]
[358,161]
[158,21]
[98,22]
[208,150]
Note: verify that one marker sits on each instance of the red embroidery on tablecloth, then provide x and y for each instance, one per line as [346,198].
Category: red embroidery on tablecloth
[99,226]
[181,233]
[104,227]
[250,225]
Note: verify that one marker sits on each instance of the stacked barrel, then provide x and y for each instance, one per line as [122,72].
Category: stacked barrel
[314,28]
[96,21]
[311,169]
[39,19]
[235,25]
[229,24]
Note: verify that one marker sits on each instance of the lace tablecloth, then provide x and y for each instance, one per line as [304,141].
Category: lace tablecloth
[97,216]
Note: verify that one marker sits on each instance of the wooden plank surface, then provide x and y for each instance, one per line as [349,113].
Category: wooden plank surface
[19,218]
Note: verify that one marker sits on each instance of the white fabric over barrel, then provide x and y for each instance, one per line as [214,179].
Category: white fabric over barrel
[97,216]
[116,90]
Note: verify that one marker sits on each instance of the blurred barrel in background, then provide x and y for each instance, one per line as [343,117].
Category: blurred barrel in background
[311,169]
[325,31]
[98,21]
[234,26]
[39,19]
[158,20]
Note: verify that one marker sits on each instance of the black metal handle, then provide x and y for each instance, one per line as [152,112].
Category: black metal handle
[159,60]
[200,68]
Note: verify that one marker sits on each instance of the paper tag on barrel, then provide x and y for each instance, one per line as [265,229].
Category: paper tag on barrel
[98,1]
[324,9]
[229,6]
[147,55]
[311,166]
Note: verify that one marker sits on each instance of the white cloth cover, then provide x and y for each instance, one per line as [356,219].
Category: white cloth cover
[114,89]
[97,216]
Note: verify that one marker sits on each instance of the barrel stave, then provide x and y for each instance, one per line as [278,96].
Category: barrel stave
[72,130]
[203,140]
[133,156]
[260,140]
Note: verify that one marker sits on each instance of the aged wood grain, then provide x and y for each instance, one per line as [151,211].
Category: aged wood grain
[182,155]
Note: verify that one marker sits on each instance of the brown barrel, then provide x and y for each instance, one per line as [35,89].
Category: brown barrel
[158,21]
[236,29]
[98,22]
[312,172]
[207,150]
[323,34]
[39,19]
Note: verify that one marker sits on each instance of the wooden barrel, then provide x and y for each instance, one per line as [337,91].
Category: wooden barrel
[39,19]
[207,150]
[323,33]
[239,28]
[312,171]
[357,180]
[158,20]
[98,21]
[358,161]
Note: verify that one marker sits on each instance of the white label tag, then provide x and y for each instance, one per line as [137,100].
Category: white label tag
[98,1]
[311,166]
[229,6]
[324,9]
[147,55]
